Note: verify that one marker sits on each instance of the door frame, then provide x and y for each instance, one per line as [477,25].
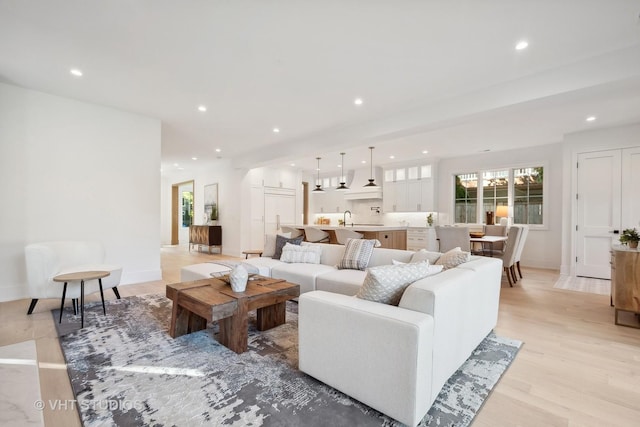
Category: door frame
[175,204]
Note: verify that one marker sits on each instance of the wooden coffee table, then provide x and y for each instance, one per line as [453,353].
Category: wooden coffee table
[209,300]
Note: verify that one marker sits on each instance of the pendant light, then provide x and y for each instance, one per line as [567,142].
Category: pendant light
[318,188]
[371,183]
[342,186]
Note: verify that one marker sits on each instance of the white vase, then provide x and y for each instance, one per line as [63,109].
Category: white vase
[238,278]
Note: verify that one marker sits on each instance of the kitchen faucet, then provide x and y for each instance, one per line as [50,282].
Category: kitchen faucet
[344,217]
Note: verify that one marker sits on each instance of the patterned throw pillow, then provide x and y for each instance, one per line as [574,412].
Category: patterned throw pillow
[424,254]
[433,269]
[386,283]
[357,253]
[281,241]
[453,258]
[270,243]
[302,254]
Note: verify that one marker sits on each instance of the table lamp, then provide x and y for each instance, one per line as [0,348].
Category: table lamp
[502,212]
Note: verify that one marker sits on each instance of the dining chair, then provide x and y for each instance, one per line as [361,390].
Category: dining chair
[295,232]
[521,242]
[495,230]
[315,235]
[453,237]
[342,234]
[509,255]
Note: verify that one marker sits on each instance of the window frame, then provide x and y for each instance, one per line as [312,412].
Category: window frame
[480,216]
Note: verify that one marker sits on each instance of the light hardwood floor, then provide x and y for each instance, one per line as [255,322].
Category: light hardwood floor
[576,368]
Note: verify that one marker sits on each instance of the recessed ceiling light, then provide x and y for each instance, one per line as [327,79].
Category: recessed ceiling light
[363,162]
[591,118]
[522,45]
[218,150]
[180,169]
[194,158]
[293,164]
[202,108]
[357,101]
[76,72]
[175,164]
[276,130]
[392,157]
[425,151]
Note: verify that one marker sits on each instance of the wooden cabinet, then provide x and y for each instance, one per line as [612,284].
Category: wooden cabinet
[208,235]
[625,283]
[396,239]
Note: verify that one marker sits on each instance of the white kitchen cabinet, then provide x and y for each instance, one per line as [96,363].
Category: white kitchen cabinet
[422,238]
[331,201]
[408,189]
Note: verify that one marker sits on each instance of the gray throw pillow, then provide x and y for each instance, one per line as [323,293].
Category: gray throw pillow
[357,253]
[386,283]
[281,241]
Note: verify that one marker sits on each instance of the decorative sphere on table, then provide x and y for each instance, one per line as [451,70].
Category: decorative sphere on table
[238,278]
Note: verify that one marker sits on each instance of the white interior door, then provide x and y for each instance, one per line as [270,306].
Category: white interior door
[598,183]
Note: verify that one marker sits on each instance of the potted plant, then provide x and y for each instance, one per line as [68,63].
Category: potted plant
[430,220]
[630,237]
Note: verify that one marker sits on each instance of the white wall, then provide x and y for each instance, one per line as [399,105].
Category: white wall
[72,170]
[229,198]
[544,247]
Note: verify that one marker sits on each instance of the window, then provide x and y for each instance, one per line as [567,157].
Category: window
[527,195]
[466,198]
[495,190]
[520,188]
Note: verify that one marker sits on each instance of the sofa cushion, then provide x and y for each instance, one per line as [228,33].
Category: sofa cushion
[302,254]
[385,256]
[281,241]
[346,282]
[301,274]
[270,243]
[357,253]
[453,258]
[386,284]
[263,264]
[425,255]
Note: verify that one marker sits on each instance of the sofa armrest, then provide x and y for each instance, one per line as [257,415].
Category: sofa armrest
[378,354]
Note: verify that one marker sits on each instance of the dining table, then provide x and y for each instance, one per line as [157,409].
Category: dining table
[490,240]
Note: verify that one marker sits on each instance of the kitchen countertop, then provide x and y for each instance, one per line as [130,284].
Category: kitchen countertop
[355,227]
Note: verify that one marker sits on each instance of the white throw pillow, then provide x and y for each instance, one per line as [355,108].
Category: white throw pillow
[270,243]
[357,253]
[453,258]
[386,283]
[424,254]
[301,254]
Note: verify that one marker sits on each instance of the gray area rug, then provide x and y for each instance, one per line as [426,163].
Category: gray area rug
[126,370]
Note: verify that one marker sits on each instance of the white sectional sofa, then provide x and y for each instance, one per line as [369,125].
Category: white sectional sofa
[395,359]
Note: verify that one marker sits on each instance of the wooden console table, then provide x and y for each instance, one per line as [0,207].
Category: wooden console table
[625,282]
[208,235]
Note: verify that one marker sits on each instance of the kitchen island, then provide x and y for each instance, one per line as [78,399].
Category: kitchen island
[392,237]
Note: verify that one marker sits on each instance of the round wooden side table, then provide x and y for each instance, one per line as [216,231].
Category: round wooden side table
[81,276]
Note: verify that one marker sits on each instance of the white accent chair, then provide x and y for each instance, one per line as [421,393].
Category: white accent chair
[315,235]
[453,237]
[46,260]
[342,234]
[509,256]
[521,242]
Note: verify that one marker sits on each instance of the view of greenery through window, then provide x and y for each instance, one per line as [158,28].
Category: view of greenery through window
[187,208]
[524,186]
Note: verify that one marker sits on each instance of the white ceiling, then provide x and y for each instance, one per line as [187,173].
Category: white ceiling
[434,75]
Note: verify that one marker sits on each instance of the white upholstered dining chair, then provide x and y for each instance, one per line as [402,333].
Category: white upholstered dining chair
[453,237]
[509,255]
